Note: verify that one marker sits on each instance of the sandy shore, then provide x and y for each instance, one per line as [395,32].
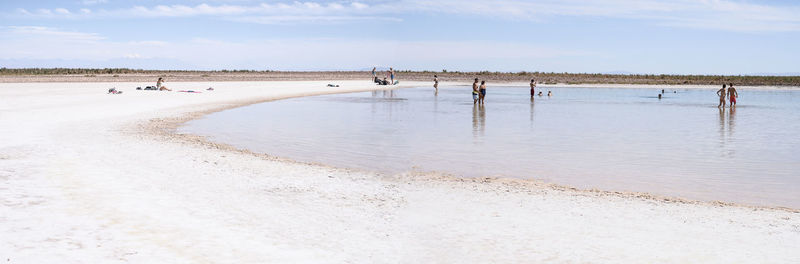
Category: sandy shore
[87,177]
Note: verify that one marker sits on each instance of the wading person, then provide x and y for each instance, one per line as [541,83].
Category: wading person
[533,87]
[732,94]
[475,91]
[436,82]
[483,91]
[721,93]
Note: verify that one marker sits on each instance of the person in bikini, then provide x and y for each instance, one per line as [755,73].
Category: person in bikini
[475,91]
[721,93]
[732,94]
[436,82]
[483,91]
[160,85]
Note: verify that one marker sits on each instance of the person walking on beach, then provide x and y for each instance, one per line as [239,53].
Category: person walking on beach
[483,91]
[475,91]
[721,93]
[436,82]
[160,85]
[732,95]
[533,87]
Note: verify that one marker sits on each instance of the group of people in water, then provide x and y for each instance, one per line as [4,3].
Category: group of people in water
[730,92]
[479,91]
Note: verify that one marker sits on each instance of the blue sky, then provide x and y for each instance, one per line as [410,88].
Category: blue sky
[673,36]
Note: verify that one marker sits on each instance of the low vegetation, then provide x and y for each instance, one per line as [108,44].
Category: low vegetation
[85,74]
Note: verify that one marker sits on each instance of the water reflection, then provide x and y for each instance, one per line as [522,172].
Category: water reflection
[726,127]
[478,121]
[532,104]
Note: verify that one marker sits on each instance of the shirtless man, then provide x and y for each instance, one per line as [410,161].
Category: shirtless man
[721,93]
[475,91]
[732,94]
[533,87]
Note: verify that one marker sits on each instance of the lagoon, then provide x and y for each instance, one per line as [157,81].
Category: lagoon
[619,139]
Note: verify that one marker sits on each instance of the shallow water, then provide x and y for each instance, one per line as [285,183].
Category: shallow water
[621,139]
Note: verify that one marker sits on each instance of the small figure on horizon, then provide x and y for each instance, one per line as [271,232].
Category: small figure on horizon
[483,91]
[436,82]
[732,95]
[475,91]
[160,85]
[533,87]
[721,93]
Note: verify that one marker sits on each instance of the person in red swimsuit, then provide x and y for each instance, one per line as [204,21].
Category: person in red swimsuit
[732,94]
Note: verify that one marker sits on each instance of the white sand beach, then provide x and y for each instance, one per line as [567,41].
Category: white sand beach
[90,177]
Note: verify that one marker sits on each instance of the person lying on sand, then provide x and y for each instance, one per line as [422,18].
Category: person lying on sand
[160,85]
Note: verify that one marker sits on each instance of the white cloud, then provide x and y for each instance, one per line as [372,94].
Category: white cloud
[38,32]
[708,14]
[94,2]
[37,43]
[728,15]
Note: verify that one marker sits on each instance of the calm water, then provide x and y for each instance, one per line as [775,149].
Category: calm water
[615,139]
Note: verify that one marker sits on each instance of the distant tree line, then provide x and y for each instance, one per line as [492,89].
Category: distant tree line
[63,71]
[541,77]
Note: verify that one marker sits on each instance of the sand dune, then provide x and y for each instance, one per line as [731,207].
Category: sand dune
[89,177]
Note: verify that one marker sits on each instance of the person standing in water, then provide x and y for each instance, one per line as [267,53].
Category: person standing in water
[475,91]
[721,93]
[436,82]
[533,87]
[732,95]
[483,91]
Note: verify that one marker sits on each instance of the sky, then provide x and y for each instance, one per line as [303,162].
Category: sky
[731,37]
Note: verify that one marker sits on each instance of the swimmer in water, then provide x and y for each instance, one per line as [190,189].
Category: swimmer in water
[549,93]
